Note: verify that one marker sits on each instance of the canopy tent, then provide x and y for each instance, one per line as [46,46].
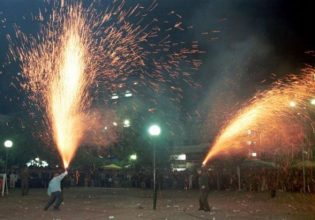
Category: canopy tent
[112,167]
[258,163]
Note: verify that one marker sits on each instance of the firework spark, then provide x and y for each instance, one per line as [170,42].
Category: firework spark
[79,46]
[66,95]
[55,66]
[278,117]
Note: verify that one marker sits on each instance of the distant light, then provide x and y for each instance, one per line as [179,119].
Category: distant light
[44,164]
[8,143]
[115,123]
[105,128]
[254,154]
[37,163]
[179,169]
[128,94]
[292,104]
[133,157]
[135,83]
[181,157]
[154,130]
[126,123]
[115,96]
[249,142]
[151,110]
[313,102]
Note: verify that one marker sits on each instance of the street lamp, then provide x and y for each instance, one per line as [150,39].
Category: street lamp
[303,171]
[126,123]
[133,157]
[154,131]
[7,144]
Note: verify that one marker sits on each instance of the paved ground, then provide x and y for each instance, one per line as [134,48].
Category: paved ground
[129,204]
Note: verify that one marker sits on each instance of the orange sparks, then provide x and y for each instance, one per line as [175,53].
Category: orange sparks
[59,71]
[80,46]
[278,117]
[66,94]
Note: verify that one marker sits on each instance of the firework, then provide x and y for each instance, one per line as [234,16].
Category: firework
[55,64]
[278,118]
[79,46]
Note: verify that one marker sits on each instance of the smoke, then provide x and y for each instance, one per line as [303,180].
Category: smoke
[241,57]
[99,128]
[244,43]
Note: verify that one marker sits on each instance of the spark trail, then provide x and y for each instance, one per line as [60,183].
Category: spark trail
[66,95]
[279,117]
[55,66]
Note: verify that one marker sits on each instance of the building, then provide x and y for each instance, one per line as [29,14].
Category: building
[187,157]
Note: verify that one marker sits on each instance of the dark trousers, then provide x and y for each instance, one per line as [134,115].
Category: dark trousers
[24,187]
[55,197]
[203,200]
[272,193]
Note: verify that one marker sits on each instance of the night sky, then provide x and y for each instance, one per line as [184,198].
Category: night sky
[250,44]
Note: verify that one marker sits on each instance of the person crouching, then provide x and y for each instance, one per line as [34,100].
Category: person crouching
[54,191]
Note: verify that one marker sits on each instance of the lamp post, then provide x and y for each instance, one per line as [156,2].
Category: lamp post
[303,159]
[7,144]
[293,104]
[154,131]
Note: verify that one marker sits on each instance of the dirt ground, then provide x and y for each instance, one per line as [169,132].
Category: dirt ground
[129,204]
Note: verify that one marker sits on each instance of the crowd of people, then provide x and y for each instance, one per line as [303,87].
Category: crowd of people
[40,177]
[220,179]
[260,180]
[205,179]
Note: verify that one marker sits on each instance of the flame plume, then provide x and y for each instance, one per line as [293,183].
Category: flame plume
[66,95]
[280,118]
[58,71]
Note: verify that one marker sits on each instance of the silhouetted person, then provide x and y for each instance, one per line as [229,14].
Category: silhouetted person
[203,182]
[77,177]
[272,185]
[24,175]
[54,191]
